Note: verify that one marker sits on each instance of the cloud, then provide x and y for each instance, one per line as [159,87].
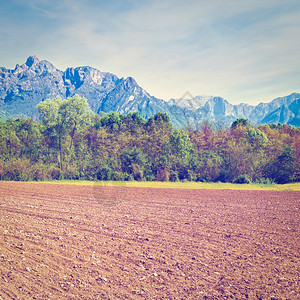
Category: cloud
[223,47]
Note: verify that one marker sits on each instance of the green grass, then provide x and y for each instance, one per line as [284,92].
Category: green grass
[186,185]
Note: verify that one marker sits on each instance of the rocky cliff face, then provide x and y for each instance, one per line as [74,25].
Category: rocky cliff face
[285,110]
[24,87]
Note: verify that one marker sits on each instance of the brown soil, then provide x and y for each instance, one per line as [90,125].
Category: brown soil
[70,242]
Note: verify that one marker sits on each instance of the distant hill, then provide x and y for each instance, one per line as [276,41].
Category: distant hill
[22,88]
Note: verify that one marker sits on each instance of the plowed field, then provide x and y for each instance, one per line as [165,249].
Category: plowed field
[93,242]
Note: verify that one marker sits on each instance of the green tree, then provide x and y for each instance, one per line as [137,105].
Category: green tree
[180,144]
[61,119]
[159,119]
[133,119]
[30,137]
[180,153]
[77,114]
[285,162]
[112,120]
[210,166]
[240,122]
[282,169]
[158,130]
[256,138]
[134,162]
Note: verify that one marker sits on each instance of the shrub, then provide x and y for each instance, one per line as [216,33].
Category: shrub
[243,179]
[200,178]
[17,169]
[150,177]
[128,177]
[163,175]
[183,174]
[224,176]
[72,172]
[174,176]
[191,175]
[38,172]
[137,172]
[117,176]
[264,181]
[54,173]
[105,173]
[2,170]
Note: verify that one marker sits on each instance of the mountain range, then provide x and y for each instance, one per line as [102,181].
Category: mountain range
[22,88]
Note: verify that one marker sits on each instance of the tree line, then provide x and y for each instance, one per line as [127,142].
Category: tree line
[71,142]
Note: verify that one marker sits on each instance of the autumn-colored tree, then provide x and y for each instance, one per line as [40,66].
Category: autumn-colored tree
[74,143]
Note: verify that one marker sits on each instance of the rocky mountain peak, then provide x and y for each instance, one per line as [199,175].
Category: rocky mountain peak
[32,61]
[35,80]
[130,82]
[34,67]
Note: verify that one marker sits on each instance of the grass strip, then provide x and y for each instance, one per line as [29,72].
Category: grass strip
[185,185]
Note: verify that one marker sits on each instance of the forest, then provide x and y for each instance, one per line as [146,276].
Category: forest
[71,142]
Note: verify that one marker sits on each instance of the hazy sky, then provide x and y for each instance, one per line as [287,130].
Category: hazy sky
[245,51]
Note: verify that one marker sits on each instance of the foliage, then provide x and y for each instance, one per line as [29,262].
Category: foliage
[256,138]
[180,144]
[242,179]
[111,120]
[283,168]
[210,166]
[73,143]
[133,162]
[240,123]
[61,120]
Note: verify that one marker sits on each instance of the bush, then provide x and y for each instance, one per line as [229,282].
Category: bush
[163,175]
[117,176]
[243,179]
[264,181]
[54,173]
[105,173]
[137,172]
[72,172]
[224,176]
[200,178]
[38,172]
[2,170]
[149,177]
[184,174]
[17,169]
[174,176]
[128,177]
[191,175]
[283,168]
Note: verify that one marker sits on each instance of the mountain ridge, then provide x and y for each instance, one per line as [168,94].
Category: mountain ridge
[22,88]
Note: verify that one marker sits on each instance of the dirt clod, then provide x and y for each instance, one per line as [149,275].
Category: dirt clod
[57,242]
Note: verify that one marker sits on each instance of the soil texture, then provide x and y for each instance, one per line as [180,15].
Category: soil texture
[60,241]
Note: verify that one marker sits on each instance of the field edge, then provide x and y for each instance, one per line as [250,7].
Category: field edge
[181,185]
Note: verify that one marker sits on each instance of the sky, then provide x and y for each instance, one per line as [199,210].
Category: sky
[244,51]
